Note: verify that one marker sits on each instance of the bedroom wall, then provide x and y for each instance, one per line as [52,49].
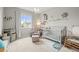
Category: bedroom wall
[1,20]
[24,32]
[16,13]
[7,24]
[55,13]
[36,18]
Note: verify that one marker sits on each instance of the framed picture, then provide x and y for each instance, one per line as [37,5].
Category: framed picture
[45,16]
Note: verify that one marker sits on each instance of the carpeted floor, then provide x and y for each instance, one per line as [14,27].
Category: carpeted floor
[26,45]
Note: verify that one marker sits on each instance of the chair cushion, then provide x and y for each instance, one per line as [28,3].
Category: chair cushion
[1,44]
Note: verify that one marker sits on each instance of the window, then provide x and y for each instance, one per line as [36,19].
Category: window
[26,21]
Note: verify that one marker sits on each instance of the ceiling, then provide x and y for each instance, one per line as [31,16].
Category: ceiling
[41,9]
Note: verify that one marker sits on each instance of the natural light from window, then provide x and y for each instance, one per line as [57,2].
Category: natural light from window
[26,21]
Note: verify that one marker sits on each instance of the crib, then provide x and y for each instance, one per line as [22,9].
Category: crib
[55,33]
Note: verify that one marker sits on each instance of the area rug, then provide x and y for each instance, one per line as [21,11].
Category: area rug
[57,46]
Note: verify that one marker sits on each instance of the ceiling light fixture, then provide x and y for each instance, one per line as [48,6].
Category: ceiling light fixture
[36,10]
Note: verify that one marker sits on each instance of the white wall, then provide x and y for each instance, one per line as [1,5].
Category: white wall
[55,13]
[1,20]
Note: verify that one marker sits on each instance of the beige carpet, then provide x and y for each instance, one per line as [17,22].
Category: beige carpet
[26,45]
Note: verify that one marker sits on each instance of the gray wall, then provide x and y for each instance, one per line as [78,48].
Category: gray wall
[1,20]
[36,18]
[23,32]
[15,13]
[9,11]
[55,13]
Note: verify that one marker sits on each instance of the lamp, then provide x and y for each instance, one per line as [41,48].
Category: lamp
[38,23]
